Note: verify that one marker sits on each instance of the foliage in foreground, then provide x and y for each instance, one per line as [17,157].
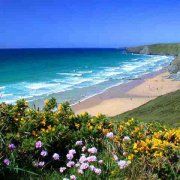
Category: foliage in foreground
[56,143]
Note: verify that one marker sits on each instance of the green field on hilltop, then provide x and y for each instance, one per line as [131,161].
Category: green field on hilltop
[164,109]
[165,48]
[162,49]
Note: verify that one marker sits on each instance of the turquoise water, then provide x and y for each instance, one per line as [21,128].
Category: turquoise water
[35,73]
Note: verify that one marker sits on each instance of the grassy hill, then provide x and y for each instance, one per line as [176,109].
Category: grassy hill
[164,109]
[162,49]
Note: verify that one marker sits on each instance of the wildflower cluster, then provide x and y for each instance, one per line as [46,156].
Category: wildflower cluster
[55,140]
[41,138]
[149,144]
[86,163]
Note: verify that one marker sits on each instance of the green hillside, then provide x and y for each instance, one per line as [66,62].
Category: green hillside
[163,49]
[164,109]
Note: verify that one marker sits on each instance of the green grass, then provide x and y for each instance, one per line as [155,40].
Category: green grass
[173,49]
[165,109]
[163,49]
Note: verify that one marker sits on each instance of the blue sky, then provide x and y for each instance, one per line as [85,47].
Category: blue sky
[88,23]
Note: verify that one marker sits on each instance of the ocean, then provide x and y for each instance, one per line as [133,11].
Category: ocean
[74,74]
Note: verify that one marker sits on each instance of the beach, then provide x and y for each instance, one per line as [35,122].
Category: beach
[128,96]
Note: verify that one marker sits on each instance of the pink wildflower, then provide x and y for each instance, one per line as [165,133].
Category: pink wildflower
[73,177]
[110,135]
[97,171]
[69,156]
[92,150]
[41,163]
[72,151]
[91,159]
[11,147]
[82,159]
[100,161]
[79,143]
[70,164]
[62,169]
[123,164]
[6,162]
[56,156]
[126,138]
[44,153]
[38,144]
[84,166]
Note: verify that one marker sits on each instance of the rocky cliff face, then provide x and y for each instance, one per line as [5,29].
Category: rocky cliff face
[162,49]
[174,68]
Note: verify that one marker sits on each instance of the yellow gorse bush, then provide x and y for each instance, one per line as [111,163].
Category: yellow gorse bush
[150,146]
[147,139]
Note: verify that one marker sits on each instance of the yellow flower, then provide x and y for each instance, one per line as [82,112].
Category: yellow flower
[156,143]
[99,115]
[60,107]
[99,127]
[46,101]
[90,128]
[130,156]
[43,122]
[120,128]
[105,131]
[158,154]
[72,116]
[116,139]
[49,127]
[127,123]
[136,129]
[42,129]
[77,125]
[92,120]
[135,146]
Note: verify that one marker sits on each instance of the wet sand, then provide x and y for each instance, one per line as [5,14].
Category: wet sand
[128,96]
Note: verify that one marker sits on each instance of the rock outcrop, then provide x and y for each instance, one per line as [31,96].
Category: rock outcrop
[174,68]
[162,49]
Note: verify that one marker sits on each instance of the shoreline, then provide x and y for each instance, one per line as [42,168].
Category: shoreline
[127,96]
[125,86]
[84,102]
[39,103]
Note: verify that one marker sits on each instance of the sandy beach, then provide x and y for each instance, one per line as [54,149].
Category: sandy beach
[128,96]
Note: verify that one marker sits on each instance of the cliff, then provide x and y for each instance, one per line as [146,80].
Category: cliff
[159,49]
[162,49]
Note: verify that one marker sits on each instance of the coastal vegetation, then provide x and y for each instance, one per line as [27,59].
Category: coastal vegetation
[54,143]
